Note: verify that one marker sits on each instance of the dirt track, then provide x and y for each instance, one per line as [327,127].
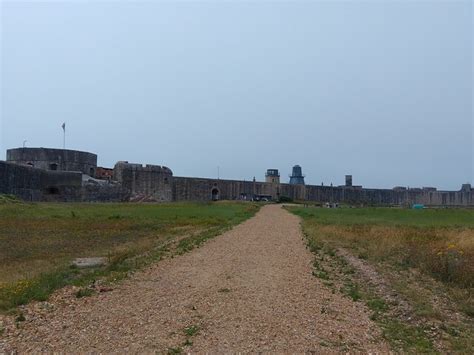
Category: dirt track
[250,289]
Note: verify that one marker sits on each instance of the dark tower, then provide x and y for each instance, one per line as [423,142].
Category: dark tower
[348,180]
[297,177]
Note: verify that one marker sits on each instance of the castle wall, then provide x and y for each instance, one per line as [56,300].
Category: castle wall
[54,159]
[389,197]
[34,184]
[145,183]
[28,174]
[104,193]
[201,189]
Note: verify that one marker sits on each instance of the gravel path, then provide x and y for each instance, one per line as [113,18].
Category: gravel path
[250,289]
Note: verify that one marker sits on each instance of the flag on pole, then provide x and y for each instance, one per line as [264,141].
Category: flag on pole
[64,134]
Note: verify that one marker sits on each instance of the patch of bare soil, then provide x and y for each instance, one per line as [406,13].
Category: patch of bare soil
[250,289]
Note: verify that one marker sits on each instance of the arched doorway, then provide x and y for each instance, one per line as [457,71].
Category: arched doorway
[215,194]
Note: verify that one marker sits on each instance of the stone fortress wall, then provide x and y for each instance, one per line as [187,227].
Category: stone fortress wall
[31,174]
[35,184]
[145,183]
[54,159]
[45,174]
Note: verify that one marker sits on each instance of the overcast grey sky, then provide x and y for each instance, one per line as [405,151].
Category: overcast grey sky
[378,89]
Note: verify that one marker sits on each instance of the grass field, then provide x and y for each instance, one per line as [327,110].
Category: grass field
[39,241]
[426,257]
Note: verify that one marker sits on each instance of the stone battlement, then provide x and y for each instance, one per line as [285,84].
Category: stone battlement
[43,174]
[54,159]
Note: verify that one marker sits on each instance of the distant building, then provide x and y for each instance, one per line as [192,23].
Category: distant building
[54,159]
[272,176]
[348,180]
[399,188]
[297,177]
[47,174]
[104,173]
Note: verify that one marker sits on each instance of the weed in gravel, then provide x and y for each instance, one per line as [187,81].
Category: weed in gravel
[420,299]
[348,271]
[409,338]
[84,292]
[461,337]
[330,251]
[175,350]
[20,318]
[191,330]
[313,246]
[224,290]
[363,255]
[323,275]
[352,290]
[377,305]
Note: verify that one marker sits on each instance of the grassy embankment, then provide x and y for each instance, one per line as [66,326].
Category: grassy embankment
[424,257]
[39,241]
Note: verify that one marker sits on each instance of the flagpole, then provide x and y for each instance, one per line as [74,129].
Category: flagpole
[64,135]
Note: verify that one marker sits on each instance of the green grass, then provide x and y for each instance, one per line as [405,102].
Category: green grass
[39,241]
[410,338]
[84,292]
[438,242]
[422,255]
[175,350]
[377,304]
[191,330]
[390,216]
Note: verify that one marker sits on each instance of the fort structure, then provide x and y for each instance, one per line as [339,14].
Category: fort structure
[272,176]
[54,159]
[348,180]
[297,177]
[145,183]
[44,174]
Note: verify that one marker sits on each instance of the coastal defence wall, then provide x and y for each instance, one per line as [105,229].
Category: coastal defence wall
[45,174]
[54,159]
[35,184]
[363,196]
[201,189]
[151,183]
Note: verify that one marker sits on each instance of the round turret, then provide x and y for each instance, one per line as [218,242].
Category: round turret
[54,159]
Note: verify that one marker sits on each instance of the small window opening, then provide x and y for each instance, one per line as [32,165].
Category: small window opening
[52,191]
